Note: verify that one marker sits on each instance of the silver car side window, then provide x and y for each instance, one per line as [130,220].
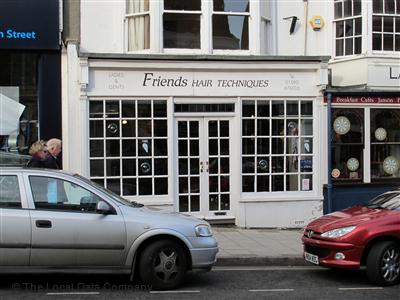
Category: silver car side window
[56,194]
[9,192]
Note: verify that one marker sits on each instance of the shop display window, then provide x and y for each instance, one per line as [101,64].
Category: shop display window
[19,102]
[347,143]
[129,146]
[385,143]
[348,136]
[277,145]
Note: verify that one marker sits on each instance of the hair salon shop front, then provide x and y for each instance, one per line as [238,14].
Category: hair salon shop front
[228,140]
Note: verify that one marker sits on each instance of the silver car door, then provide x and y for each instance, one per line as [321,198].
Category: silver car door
[15,225]
[67,230]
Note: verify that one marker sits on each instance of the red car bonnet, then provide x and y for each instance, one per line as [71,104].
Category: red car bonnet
[356,215]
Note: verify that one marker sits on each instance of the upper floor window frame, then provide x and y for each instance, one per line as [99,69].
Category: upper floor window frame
[157,11]
[385,14]
[348,14]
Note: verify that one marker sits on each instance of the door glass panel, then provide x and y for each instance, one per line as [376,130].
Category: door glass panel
[219,165]
[188,166]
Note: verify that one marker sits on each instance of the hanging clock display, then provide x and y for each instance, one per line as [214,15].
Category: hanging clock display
[341,125]
[353,164]
[380,134]
[390,165]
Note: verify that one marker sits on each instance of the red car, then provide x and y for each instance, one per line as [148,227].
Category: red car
[360,236]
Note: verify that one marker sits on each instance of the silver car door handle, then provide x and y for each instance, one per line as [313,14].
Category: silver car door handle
[43,223]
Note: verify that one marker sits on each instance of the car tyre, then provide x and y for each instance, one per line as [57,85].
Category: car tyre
[163,265]
[383,263]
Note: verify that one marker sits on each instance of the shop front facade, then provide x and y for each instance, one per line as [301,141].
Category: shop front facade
[30,75]
[231,141]
[365,140]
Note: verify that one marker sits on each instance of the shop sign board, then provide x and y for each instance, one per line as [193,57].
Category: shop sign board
[29,24]
[384,75]
[364,100]
[200,83]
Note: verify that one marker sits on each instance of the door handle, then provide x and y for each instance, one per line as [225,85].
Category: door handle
[43,223]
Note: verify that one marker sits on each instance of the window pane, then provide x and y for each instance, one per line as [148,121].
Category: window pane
[182,5]
[145,186]
[128,109]
[338,10]
[248,127]
[137,6]
[377,42]
[9,190]
[357,45]
[349,46]
[96,109]
[356,7]
[128,128]
[160,109]
[231,6]
[340,29]
[388,42]
[389,7]
[248,109]
[247,184]
[377,23]
[339,48]
[357,26]
[347,5]
[161,186]
[349,28]
[263,183]
[388,24]
[230,32]
[292,183]
[181,31]
[129,187]
[138,33]
[96,168]
[96,148]
[377,6]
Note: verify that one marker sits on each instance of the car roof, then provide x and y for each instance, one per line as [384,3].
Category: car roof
[36,170]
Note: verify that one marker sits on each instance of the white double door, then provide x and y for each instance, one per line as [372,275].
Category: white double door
[203,164]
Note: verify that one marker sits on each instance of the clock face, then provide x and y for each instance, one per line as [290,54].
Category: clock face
[341,125]
[380,134]
[353,164]
[390,165]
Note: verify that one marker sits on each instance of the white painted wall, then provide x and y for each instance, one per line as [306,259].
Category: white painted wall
[304,40]
[287,214]
[102,26]
[103,30]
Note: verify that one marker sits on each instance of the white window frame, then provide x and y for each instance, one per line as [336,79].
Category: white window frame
[284,195]
[353,37]
[257,23]
[371,32]
[145,199]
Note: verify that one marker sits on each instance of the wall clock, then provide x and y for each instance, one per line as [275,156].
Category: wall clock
[353,164]
[380,134]
[390,165]
[341,125]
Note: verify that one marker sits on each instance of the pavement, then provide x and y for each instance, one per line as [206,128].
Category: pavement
[258,247]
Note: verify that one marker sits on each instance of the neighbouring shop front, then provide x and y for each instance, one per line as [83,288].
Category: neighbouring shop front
[30,75]
[225,140]
[365,146]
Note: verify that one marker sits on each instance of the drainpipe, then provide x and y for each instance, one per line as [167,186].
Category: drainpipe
[305,4]
[329,126]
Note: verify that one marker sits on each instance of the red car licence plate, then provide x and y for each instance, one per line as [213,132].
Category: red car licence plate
[311,258]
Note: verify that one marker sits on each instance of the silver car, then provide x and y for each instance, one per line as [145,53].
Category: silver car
[55,221]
